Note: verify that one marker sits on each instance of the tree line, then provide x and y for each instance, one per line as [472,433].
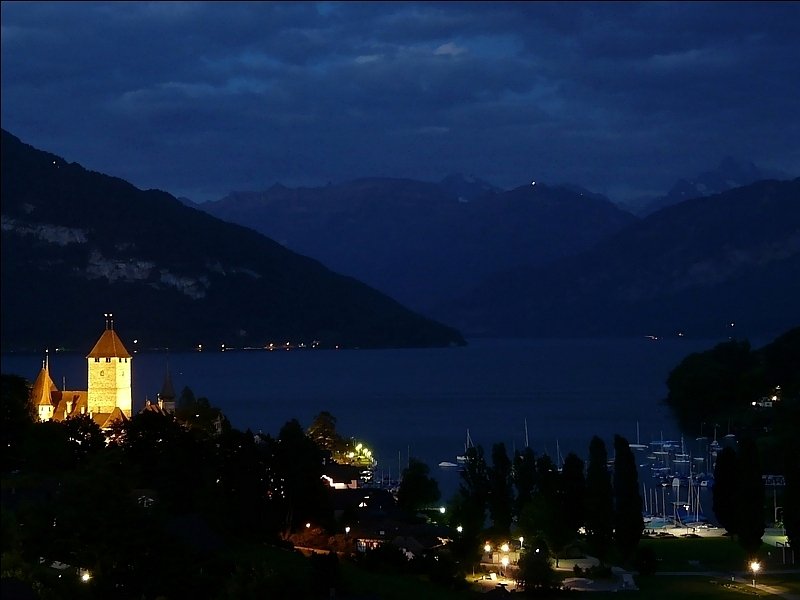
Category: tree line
[165,505]
[550,505]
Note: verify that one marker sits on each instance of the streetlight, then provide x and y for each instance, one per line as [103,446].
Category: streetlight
[754,567]
[504,562]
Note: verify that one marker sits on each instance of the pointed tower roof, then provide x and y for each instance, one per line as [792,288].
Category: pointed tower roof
[167,391]
[109,344]
[43,386]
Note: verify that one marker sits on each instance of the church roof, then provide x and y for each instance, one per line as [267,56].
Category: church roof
[152,407]
[167,391]
[109,345]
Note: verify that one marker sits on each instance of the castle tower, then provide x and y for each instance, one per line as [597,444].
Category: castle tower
[42,392]
[109,374]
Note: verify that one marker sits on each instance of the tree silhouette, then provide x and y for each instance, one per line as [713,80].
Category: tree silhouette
[711,385]
[469,505]
[574,492]
[750,496]
[417,489]
[17,415]
[523,477]
[500,492]
[724,490]
[599,501]
[536,573]
[628,520]
[298,463]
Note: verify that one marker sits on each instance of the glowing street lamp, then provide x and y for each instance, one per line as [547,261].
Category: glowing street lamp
[755,566]
[504,562]
[504,547]
[487,548]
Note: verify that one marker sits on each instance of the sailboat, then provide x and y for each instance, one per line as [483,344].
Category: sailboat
[638,445]
[559,459]
[462,458]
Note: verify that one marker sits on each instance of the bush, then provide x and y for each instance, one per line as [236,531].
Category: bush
[645,561]
[599,572]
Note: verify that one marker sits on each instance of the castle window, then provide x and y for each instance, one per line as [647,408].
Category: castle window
[96,359]
[108,359]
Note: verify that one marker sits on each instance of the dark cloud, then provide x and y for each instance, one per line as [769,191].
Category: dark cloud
[203,98]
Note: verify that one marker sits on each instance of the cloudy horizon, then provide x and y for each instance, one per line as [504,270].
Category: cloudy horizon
[200,99]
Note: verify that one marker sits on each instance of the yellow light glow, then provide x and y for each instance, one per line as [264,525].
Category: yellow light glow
[504,561]
[504,547]
[755,566]
[487,548]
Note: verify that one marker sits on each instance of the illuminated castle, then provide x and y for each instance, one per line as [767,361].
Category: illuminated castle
[108,397]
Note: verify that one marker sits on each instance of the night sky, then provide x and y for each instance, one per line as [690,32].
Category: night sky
[200,99]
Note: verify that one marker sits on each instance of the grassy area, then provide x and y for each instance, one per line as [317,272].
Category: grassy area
[709,554]
[696,587]
[712,554]
[697,554]
[395,587]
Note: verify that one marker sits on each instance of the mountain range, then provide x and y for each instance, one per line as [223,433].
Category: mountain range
[426,243]
[538,260]
[724,264]
[77,244]
[729,174]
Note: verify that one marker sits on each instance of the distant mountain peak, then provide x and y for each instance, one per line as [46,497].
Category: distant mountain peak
[467,188]
[730,173]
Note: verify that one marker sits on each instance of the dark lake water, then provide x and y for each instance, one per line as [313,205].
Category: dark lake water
[421,402]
